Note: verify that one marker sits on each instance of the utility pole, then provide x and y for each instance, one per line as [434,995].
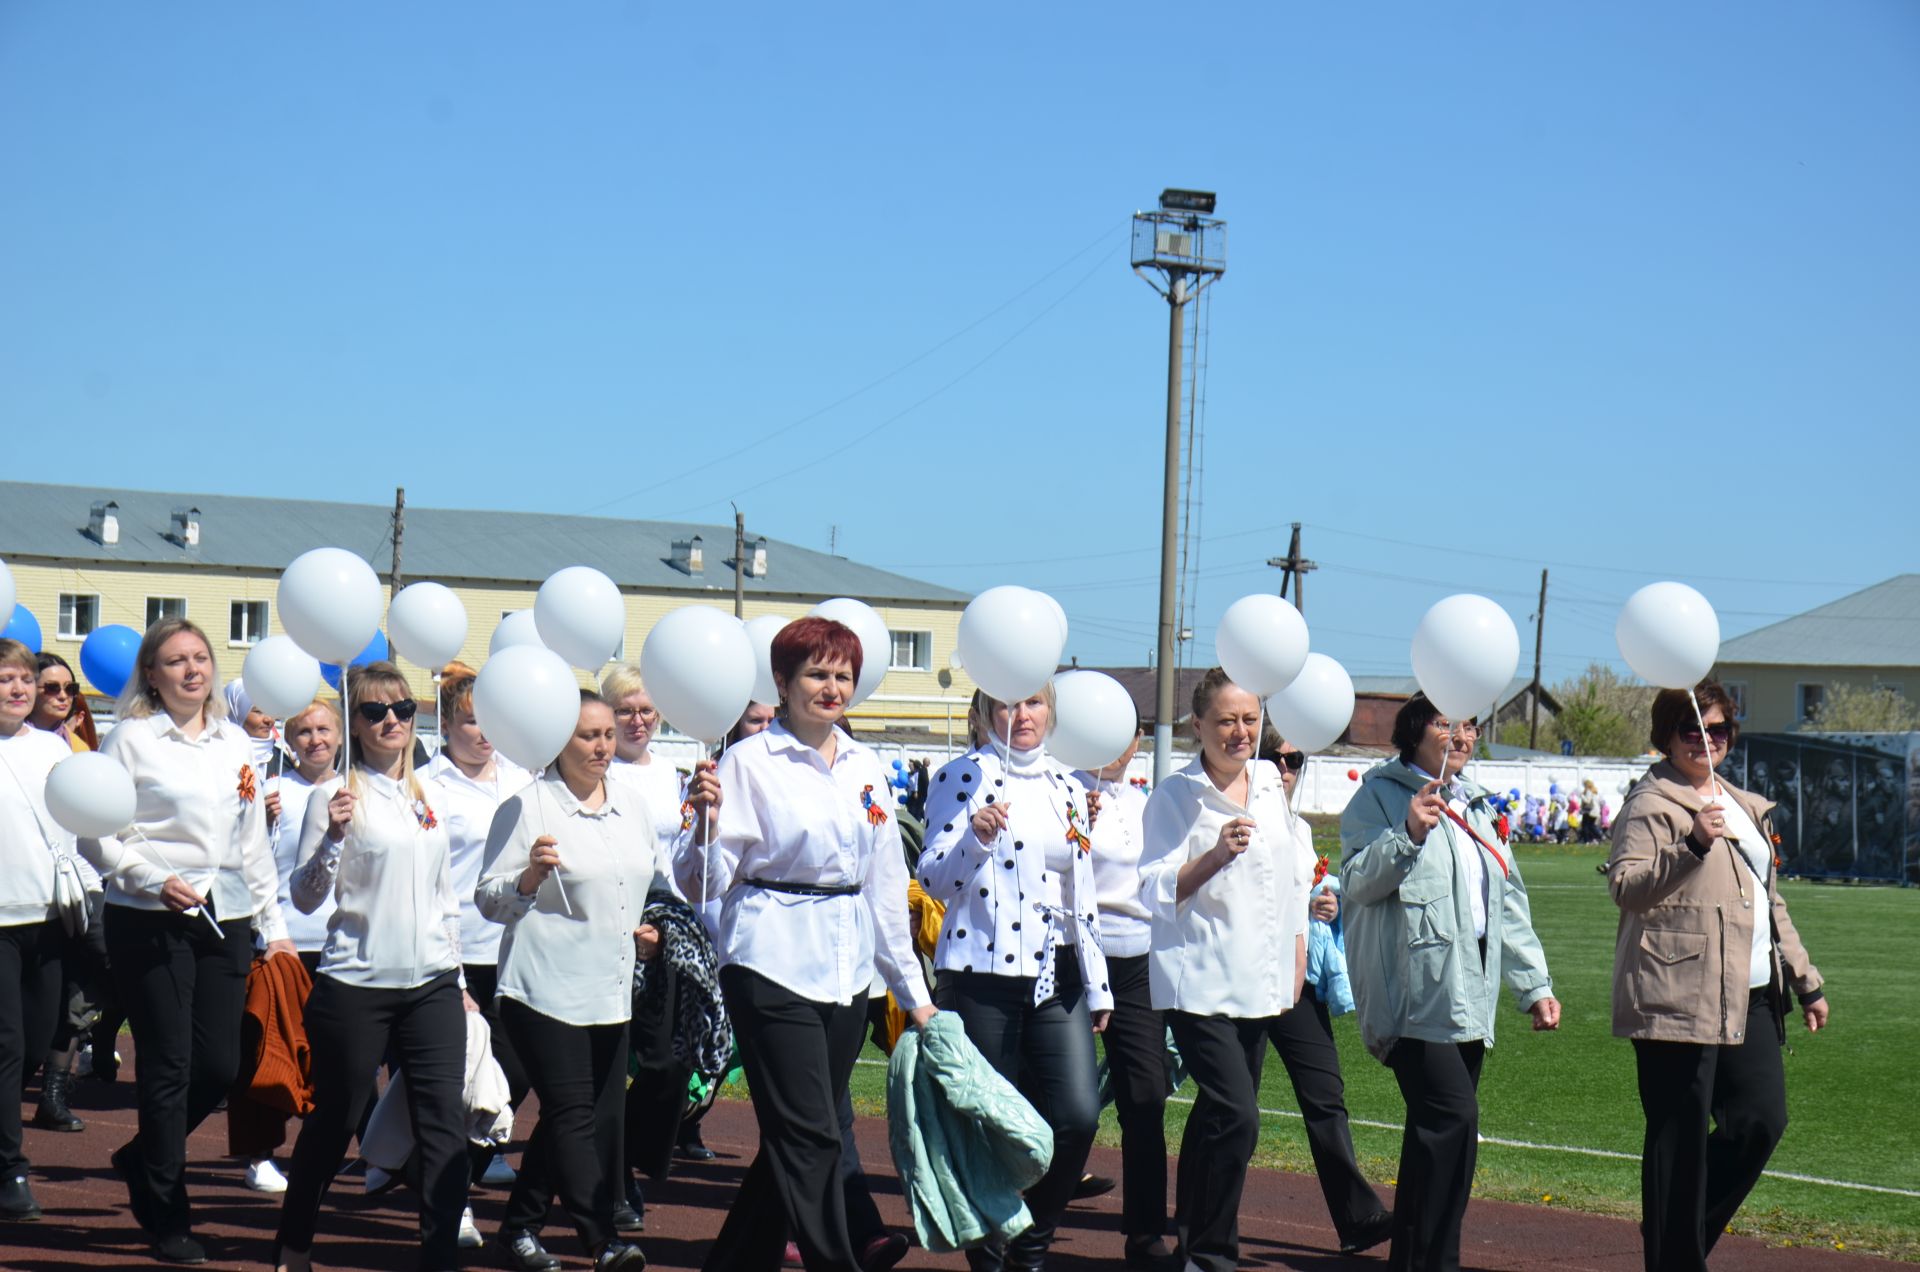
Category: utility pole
[1539,630]
[1297,567]
[399,530]
[739,563]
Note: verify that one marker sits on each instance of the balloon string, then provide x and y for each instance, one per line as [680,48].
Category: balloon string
[540,811]
[701,835]
[168,867]
[1712,776]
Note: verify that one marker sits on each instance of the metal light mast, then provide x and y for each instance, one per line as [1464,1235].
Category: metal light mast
[1185,249]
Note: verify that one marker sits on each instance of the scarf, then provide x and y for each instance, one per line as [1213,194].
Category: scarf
[702,1033]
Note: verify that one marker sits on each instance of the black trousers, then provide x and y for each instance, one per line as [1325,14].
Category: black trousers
[350,1029]
[580,1075]
[29,1004]
[481,981]
[183,989]
[1224,1055]
[798,1055]
[1304,1039]
[1046,1051]
[657,1100]
[1136,1047]
[1692,1180]
[1440,1082]
[86,991]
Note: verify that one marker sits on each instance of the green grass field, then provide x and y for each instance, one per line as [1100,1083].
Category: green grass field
[1852,1092]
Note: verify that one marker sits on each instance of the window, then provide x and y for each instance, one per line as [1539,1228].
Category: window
[79,615]
[1807,700]
[912,651]
[159,607]
[246,622]
[1737,690]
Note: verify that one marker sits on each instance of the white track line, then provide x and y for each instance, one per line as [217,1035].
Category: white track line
[1568,1148]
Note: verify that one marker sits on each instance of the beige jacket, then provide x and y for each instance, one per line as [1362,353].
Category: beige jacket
[1680,963]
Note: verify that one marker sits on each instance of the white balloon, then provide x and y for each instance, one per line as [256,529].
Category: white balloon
[1010,642]
[527,701]
[330,603]
[876,642]
[91,795]
[1262,644]
[1316,708]
[517,628]
[1669,634]
[761,632]
[698,667]
[580,616]
[1093,720]
[280,677]
[8,593]
[427,624]
[1464,654]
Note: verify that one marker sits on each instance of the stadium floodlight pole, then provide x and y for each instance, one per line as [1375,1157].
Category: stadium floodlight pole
[1188,250]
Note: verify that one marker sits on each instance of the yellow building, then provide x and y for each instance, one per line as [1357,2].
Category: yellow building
[84,558]
[1780,674]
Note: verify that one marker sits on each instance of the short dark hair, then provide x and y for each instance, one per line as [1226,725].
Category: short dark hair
[1410,725]
[1672,712]
[813,637]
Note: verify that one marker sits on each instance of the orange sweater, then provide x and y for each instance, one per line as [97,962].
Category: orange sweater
[274,1037]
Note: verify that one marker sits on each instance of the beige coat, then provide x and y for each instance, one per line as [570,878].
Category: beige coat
[1680,963]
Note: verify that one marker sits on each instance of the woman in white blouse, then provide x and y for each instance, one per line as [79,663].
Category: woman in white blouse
[30,938]
[568,864]
[197,851]
[388,984]
[661,784]
[1220,875]
[807,862]
[1019,958]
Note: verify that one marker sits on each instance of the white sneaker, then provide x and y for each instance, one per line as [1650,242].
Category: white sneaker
[83,1063]
[264,1176]
[470,1238]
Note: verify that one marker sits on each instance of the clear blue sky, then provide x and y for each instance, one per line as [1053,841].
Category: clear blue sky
[1631,291]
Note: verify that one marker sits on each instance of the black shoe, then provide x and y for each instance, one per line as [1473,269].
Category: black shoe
[16,1201]
[53,1113]
[1370,1233]
[690,1148]
[628,1221]
[619,1254]
[179,1248]
[1151,1254]
[1092,1186]
[883,1252]
[637,1202]
[523,1250]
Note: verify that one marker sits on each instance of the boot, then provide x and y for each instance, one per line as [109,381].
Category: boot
[53,1113]
[16,1201]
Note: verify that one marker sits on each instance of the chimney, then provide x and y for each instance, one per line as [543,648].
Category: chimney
[186,527]
[103,523]
[687,556]
[757,559]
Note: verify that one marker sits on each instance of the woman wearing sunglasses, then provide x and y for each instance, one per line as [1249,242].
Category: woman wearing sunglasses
[388,982]
[1437,920]
[1702,968]
[61,707]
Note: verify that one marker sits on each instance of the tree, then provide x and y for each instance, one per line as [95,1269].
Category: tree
[1601,713]
[1849,708]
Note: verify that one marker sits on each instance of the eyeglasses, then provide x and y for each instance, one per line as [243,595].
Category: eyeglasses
[1461,726]
[375,712]
[628,713]
[1719,731]
[53,688]
[1295,760]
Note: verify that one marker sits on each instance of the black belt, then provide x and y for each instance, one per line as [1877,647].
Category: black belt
[805,889]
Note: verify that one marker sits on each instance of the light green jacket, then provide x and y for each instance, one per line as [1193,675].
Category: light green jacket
[1411,952]
[965,1142]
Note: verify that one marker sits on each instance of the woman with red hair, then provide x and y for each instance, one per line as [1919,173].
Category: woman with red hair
[806,863]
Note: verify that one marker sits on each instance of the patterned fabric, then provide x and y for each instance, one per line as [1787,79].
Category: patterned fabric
[702,1032]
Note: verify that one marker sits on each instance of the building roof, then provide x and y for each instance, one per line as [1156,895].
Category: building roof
[1139,682]
[449,545]
[1878,626]
[1407,686]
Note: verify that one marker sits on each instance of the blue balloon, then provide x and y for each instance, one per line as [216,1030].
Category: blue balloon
[376,651]
[23,627]
[1514,793]
[897,766]
[107,657]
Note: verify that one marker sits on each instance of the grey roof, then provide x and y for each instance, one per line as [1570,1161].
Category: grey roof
[450,545]
[1878,626]
[1407,686]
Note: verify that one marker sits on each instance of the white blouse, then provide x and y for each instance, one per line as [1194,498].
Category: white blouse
[395,922]
[190,805]
[1008,907]
[1118,836]
[662,788]
[568,950]
[308,932]
[28,834]
[466,806]
[1228,949]
[787,817]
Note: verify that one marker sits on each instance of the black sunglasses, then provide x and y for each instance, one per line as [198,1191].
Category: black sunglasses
[1719,731]
[64,690]
[1295,760]
[375,712]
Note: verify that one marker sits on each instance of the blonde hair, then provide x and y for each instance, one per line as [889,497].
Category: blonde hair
[980,713]
[139,699]
[328,705]
[362,684]
[621,679]
[14,654]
